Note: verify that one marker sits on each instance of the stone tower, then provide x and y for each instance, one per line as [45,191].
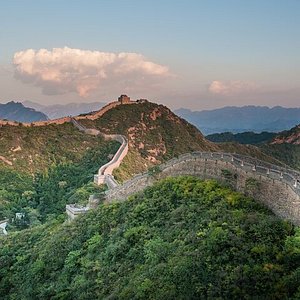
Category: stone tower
[124,99]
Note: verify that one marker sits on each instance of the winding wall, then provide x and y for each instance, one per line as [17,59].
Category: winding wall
[89,116]
[278,188]
[104,175]
[105,172]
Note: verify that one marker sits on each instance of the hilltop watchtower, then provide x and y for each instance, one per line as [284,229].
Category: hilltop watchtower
[124,99]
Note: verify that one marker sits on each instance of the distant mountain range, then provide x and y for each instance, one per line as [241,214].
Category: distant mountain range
[240,119]
[242,138]
[15,111]
[61,110]
[283,146]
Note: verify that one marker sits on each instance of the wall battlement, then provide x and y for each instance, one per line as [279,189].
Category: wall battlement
[278,188]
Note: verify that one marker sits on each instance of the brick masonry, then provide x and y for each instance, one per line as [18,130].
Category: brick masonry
[277,189]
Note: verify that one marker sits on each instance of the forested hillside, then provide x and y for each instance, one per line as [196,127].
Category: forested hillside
[183,238]
[155,135]
[282,148]
[152,129]
[46,193]
[31,149]
[49,167]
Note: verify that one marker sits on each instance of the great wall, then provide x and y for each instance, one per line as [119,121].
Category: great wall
[123,99]
[276,187]
[104,175]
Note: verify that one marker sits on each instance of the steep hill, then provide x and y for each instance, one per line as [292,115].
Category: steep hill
[252,151]
[291,137]
[15,111]
[63,159]
[282,148]
[155,133]
[285,147]
[240,119]
[44,168]
[181,239]
[31,149]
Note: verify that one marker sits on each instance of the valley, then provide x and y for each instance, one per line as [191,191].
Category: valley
[150,150]
[190,196]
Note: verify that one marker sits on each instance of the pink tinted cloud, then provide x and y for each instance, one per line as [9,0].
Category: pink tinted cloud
[64,70]
[231,87]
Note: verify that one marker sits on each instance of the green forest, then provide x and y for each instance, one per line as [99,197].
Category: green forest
[183,238]
[44,195]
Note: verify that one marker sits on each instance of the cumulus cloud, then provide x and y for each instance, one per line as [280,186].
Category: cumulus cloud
[64,70]
[231,87]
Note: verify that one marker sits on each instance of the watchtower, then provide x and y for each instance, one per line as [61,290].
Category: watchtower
[124,99]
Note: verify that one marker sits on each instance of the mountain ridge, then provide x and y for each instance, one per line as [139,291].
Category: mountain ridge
[17,112]
[240,119]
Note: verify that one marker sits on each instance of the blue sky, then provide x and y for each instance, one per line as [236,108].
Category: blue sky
[217,53]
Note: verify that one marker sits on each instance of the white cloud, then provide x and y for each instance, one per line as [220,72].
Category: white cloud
[64,70]
[231,87]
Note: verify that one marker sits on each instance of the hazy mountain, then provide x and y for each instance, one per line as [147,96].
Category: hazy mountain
[239,119]
[16,111]
[242,138]
[61,110]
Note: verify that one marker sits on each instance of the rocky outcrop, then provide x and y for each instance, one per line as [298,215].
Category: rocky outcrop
[288,137]
[8,162]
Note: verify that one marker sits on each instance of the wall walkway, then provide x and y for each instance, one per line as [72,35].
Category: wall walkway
[104,175]
[277,188]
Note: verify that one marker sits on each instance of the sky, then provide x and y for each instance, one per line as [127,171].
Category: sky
[197,54]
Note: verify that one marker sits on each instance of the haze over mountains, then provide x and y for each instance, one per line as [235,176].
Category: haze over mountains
[61,110]
[241,119]
[18,112]
[227,119]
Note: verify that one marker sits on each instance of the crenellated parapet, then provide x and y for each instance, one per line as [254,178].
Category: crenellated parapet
[278,188]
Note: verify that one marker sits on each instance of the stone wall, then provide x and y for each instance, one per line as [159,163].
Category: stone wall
[91,116]
[105,172]
[277,188]
[118,157]
[103,110]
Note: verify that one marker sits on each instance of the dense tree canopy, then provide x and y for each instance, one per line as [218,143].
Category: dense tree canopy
[46,193]
[183,238]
